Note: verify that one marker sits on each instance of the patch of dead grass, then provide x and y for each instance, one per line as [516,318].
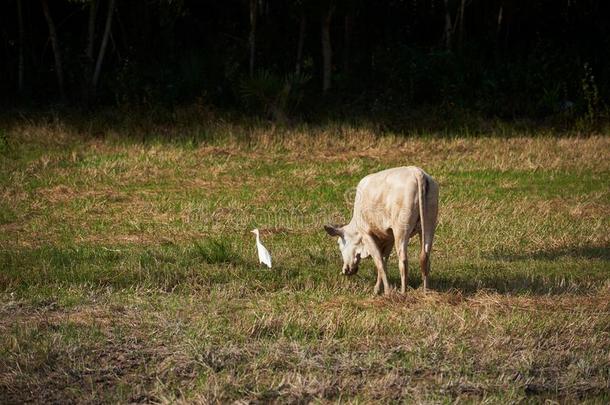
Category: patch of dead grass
[357,353]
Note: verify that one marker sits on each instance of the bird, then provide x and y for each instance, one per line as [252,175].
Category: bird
[263,254]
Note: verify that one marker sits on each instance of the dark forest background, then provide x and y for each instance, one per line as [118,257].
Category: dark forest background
[305,59]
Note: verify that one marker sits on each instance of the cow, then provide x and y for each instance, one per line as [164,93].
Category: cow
[391,206]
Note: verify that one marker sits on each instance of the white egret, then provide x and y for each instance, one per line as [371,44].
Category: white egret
[263,253]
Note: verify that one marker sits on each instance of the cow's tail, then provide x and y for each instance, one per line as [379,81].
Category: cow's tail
[422,188]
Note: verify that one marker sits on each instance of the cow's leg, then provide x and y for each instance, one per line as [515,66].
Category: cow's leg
[424,264]
[377,288]
[403,265]
[384,278]
[427,239]
[380,264]
[377,257]
[377,285]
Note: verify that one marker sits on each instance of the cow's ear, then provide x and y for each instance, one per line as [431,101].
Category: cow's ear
[333,230]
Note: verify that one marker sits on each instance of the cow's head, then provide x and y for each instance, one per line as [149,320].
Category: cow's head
[351,247]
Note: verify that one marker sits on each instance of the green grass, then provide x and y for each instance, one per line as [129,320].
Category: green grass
[128,272]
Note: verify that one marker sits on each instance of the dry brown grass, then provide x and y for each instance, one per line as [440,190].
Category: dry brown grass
[456,346]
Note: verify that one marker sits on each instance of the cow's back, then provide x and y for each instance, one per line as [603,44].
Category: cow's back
[383,197]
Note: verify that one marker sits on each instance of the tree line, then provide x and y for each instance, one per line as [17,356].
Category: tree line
[500,57]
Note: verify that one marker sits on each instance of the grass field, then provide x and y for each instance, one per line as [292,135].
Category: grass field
[128,272]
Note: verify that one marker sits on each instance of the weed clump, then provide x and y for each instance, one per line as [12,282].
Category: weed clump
[216,251]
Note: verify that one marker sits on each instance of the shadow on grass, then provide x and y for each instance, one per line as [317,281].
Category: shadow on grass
[211,262]
[519,284]
[514,284]
[575,252]
[185,124]
[576,270]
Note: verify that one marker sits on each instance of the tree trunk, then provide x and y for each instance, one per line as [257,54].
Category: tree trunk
[327,51]
[91,30]
[301,43]
[100,56]
[461,26]
[500,12]
[252,37]
[56,51]
[498,39]
[21,63]
[448,30]
[88,70]
[347,39]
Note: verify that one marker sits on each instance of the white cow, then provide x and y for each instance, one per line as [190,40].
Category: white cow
[391,206]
